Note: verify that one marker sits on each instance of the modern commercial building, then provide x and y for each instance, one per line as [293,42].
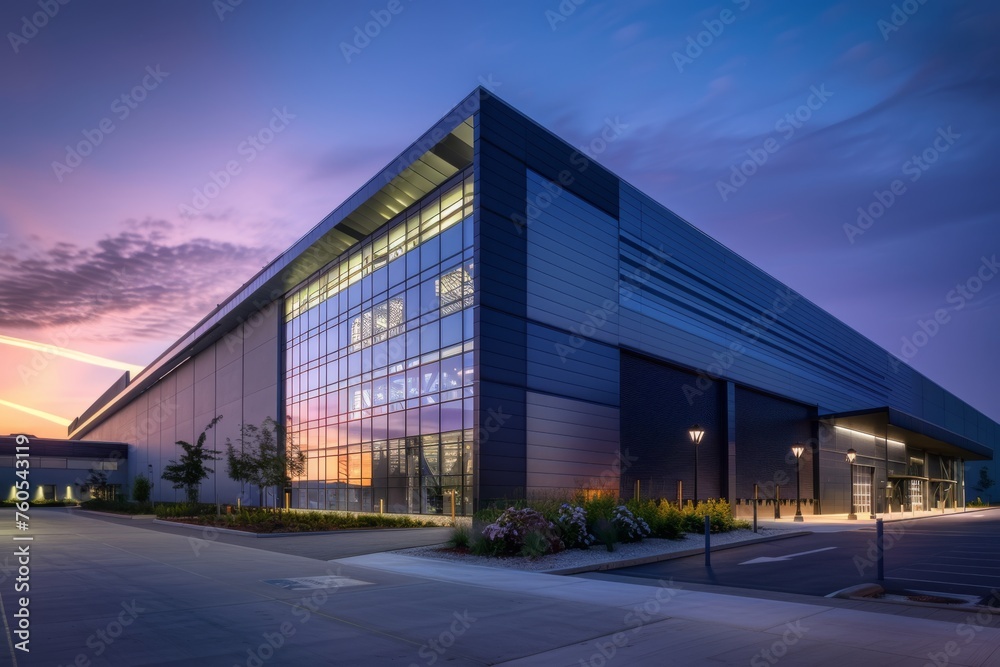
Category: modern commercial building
[496,315]
[58,470]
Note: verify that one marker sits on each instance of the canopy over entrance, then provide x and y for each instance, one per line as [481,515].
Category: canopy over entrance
[895,425]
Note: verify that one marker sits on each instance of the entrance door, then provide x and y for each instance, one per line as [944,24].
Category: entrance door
[862,490]
[917,495]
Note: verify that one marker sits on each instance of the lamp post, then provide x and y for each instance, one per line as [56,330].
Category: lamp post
[797,449]
[697,433]
[851,455]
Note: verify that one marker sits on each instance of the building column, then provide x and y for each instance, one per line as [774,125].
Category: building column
[730,434]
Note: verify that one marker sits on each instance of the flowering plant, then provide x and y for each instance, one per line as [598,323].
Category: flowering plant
[513,527]
[572,522]
[630,527]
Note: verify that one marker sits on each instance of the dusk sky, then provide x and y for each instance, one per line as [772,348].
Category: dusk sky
[115,115]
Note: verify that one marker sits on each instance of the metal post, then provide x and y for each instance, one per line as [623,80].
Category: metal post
[798,492]
[708,542]
[880,549]
[453,507]
[696,475]
[680,493]
[756,497]
[777,501]
[637,489]
[852,515]
[381,505]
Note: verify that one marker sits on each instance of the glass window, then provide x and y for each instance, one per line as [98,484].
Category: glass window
[451,329]
[430,337]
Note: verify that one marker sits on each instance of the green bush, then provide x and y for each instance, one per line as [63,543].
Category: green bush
[460,538]
[177,510]
[266,520]
[118,506]
[719,513]
[665,521]
[141,489]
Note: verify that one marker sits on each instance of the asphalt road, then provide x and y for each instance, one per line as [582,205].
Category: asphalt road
[951,554]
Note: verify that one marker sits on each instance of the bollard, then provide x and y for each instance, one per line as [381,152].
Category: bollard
[708,542]
[880,549]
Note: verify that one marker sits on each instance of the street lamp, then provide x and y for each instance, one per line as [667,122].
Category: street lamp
[797,449]
[851,455]
[697,433]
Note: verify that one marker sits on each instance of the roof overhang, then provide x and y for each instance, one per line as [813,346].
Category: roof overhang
[918,433]
[442,152]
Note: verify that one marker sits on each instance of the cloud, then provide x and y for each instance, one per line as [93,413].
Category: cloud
[140,283]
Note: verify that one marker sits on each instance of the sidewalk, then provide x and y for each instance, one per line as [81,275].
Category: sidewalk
[670,625]
[836,522]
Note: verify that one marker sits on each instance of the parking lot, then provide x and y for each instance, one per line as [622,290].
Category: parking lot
[957,554]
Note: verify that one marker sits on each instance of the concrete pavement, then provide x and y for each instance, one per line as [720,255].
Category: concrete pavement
[106,593]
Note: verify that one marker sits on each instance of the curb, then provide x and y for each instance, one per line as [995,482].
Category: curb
[644,560]
[865,592]
[857,591]
[133,517]
[304,533]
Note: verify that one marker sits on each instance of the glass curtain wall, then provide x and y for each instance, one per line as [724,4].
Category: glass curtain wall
[380,366]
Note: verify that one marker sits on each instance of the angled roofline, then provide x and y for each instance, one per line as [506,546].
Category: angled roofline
[441,152]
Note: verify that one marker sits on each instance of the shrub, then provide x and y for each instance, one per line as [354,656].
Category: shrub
[719,513]
[141,489]
[509,532]
[628,527]
[116,506]
[605,532]
[535,544]
[460,538]
[572,524]
[665,521]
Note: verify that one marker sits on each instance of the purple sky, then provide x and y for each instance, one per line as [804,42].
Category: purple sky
[116,256]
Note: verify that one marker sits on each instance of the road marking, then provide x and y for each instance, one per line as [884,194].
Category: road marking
[774,559]
[949,583]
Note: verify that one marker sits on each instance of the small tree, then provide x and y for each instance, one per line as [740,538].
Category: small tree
[97,482]
[267,456]
[190,470]
[141,489]
[985,482]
